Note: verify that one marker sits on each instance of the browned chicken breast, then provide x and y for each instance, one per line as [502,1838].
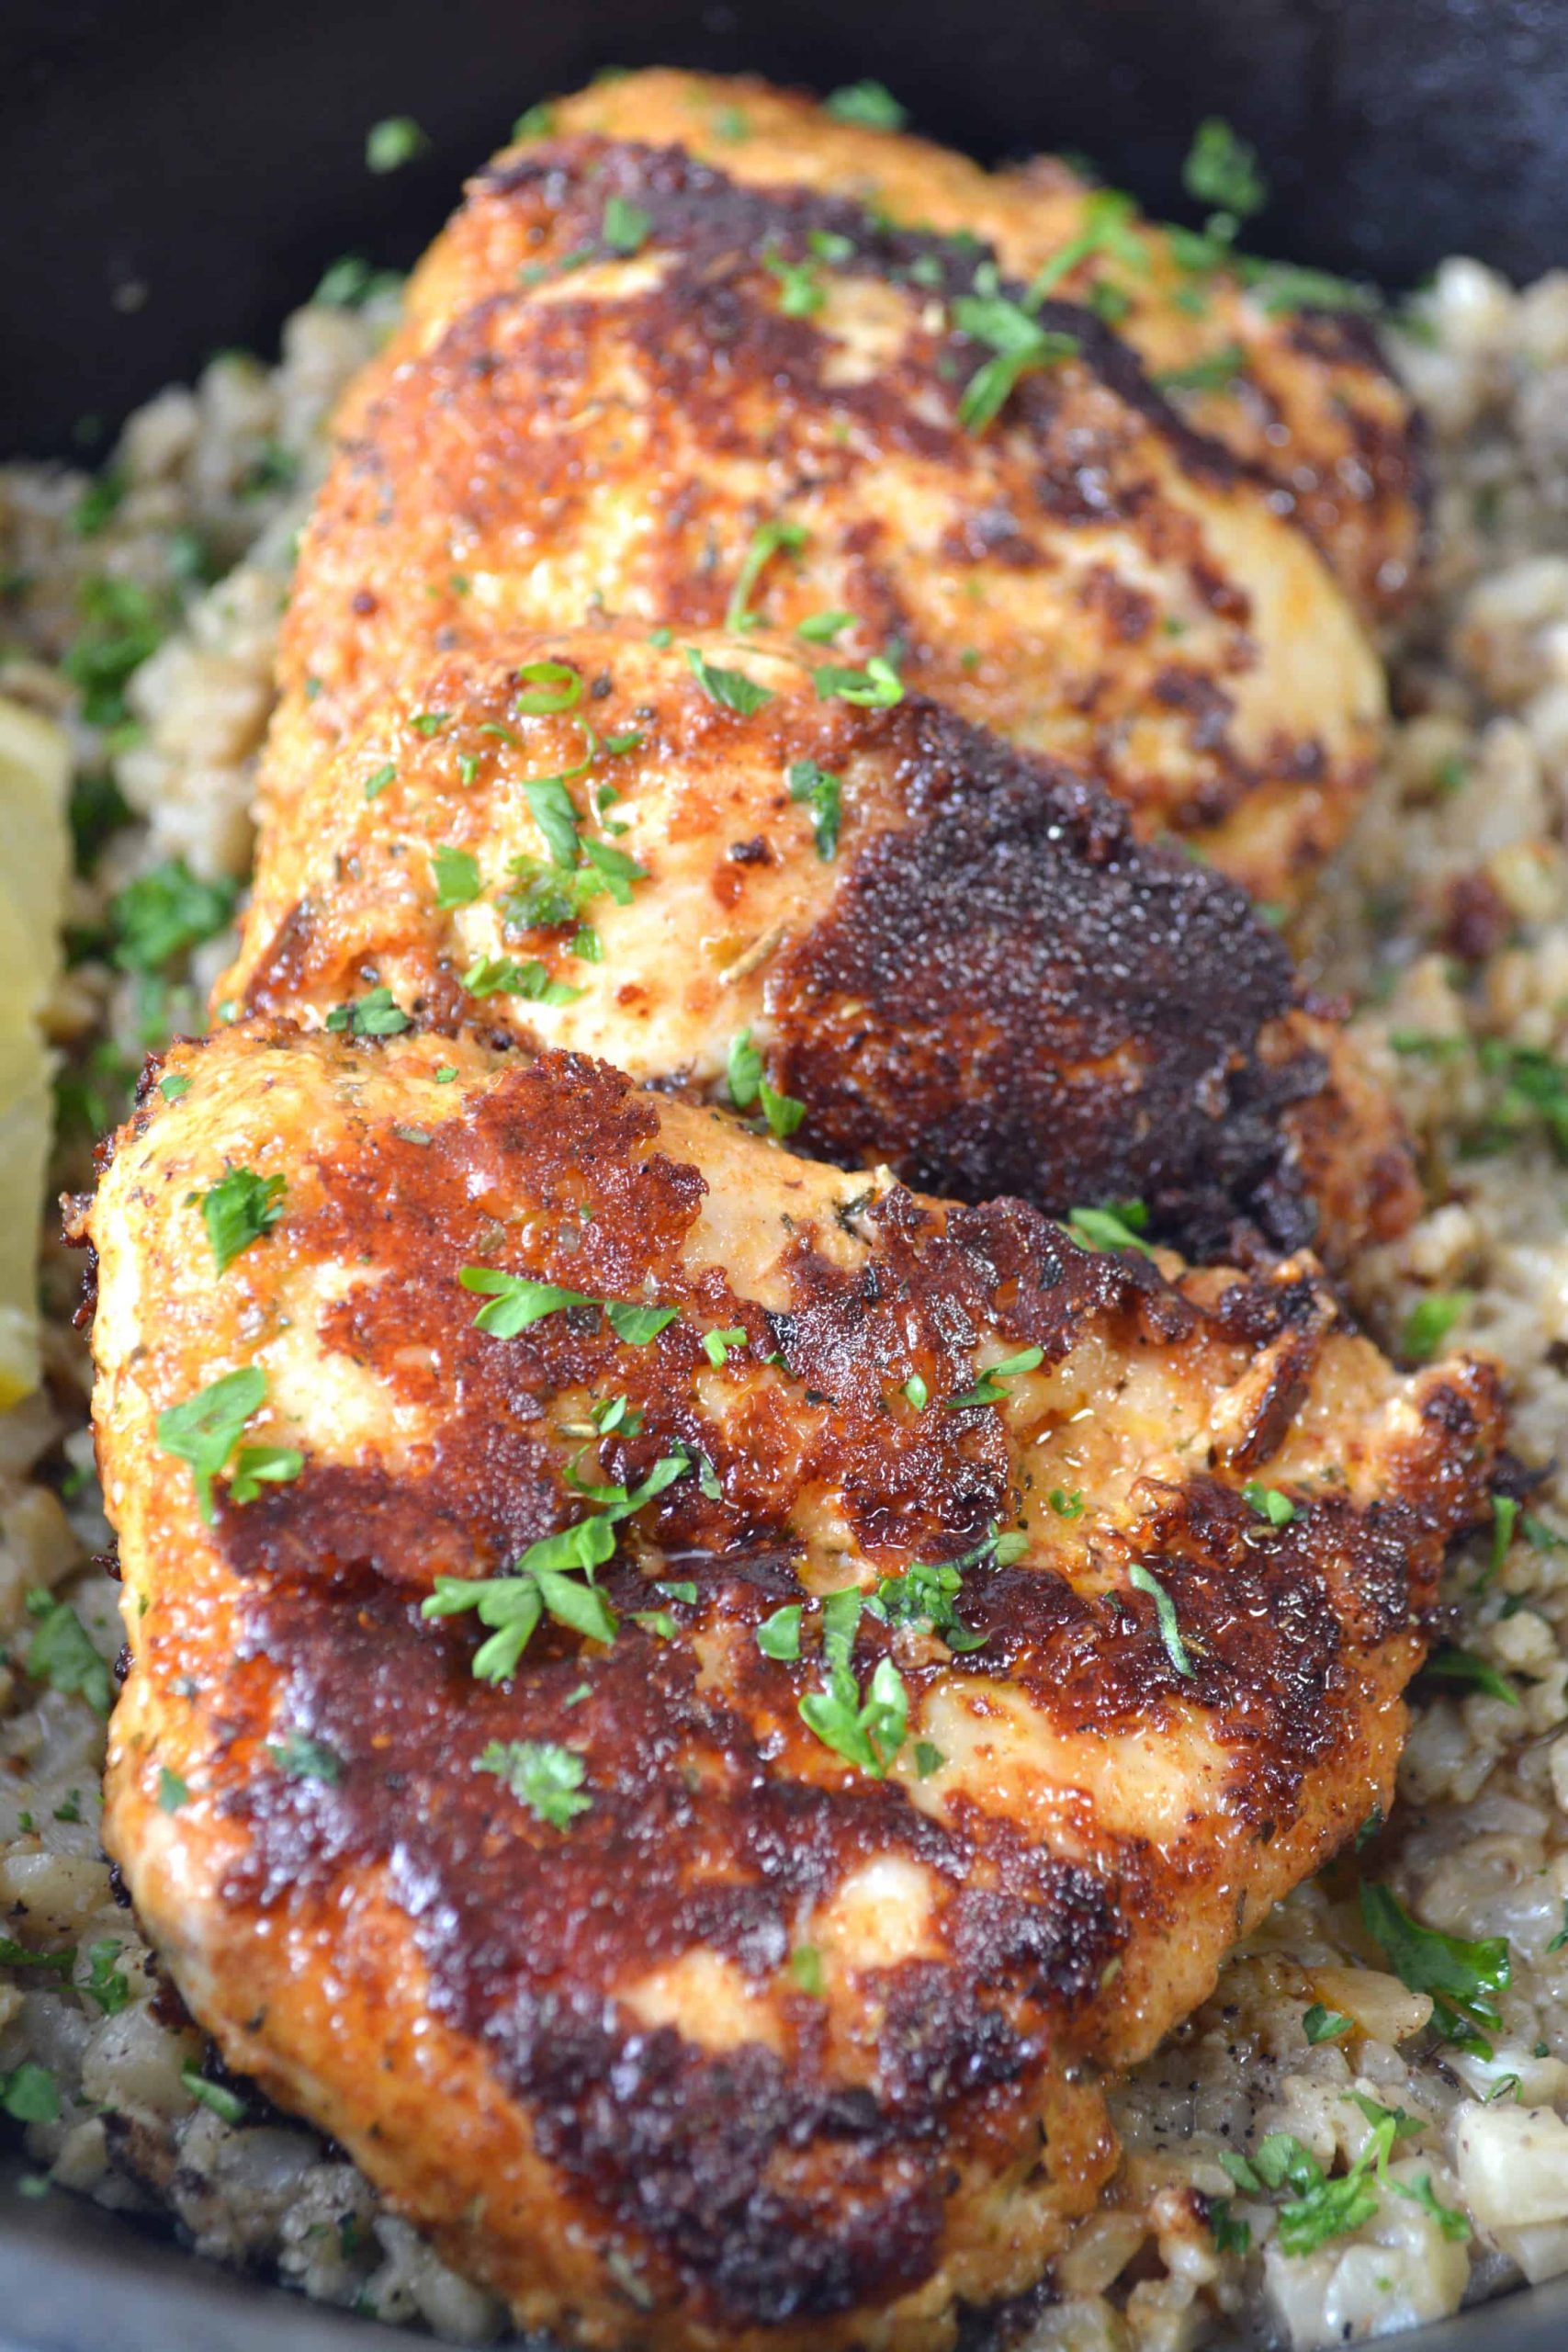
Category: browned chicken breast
[907,1648]
[1250,352]
[658,395]
[954,956]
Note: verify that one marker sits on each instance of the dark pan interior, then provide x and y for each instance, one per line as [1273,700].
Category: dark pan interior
[211,152]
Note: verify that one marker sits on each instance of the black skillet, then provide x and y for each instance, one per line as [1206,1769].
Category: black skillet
[174,174]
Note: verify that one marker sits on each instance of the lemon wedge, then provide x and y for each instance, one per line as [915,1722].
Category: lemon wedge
[35,857]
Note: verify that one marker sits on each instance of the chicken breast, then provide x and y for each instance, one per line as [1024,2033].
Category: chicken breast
[666,398]
[1251,354]
[721,1941]
[955,956]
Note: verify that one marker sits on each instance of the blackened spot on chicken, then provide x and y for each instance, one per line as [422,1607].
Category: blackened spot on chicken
[1011,994]
[527,1956]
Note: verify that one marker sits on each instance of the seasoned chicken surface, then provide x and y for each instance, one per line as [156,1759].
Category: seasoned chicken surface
[955,956]
[633,387]
[722,1939]
[1295,388]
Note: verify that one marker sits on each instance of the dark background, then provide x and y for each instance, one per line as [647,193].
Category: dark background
[213,150]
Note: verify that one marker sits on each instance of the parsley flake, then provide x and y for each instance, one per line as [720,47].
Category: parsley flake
[375,1015]
[1460,1975]
[543,1776]
[877,687]
[224,2103]
[767,540]
[748,1083]
[205,1429]
[869,104]
[392,143]
[988,1390]
[823,794]
[239,1209]
[299,1757]
[732,688]
[1144,1581]
[62,1652]
[1269,1503]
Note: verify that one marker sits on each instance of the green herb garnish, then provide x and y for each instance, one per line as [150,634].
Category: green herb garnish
[239,1209]
[541,1775]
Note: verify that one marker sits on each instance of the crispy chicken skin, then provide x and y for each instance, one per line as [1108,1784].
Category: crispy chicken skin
[985,982]
[566,429]
[761,2048]
[1313,407]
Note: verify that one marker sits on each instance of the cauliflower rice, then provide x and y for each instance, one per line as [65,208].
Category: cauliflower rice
[141,609]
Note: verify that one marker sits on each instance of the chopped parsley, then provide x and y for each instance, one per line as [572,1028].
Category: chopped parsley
[748,1083]
[778,1636]
[1453,1665]
[1018,346]
[1460,1976]
[239,1209]
[877,686]
[29,2094]
[1215,372]
[456,876]
[1321,2024]
[1144,1581]
[717,1345]
[869,104]
[108,1985]
[256,1467]
[545,1777]
[1429,1321]
[173,1086]
[733,688]
[805,1967]
[514,1301]
[917,1391]
[1121,1225]
[1269,1503]
[503,976]
[801,291]
[348,283]
[374,1015]
[1065,1504]
[866,1731]
[550,687]
[821,628]
[99,504]
[537,121]
[62,1652]
[165,913]
[988,1390]
[927,1595]
[299,1757]
[1107,217]
[1222,170]
[16,1955]
[392,143]
[1505,1520]
[375,784]
[172,1791]
[625,226]
[225,2103]
[767,540]
[123,628]
[554,1578]
[205,1429]
[823,794]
